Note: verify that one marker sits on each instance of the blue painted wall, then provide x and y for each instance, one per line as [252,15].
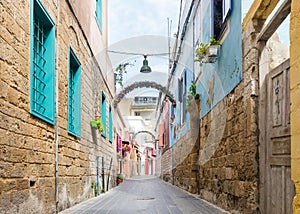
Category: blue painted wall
[217,79]
[224,75]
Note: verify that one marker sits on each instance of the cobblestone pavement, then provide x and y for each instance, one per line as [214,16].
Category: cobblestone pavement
[144,194]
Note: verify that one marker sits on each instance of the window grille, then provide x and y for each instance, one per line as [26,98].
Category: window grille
[39,62]
[42,63]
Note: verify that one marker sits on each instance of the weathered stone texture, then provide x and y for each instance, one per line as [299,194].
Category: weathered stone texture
[166,165]
[229,178]
[186,155]
[27,145]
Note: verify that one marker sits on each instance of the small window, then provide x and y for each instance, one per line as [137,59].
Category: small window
[221,11]
[137,114]
[42,63]
[74,93]
[110,125]
[99,13]
[183,103]
[103,113]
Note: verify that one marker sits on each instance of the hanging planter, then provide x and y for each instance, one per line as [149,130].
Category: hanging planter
[212,50]
[207,53]
[96,123]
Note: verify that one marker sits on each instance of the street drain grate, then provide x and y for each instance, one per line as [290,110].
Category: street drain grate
[145,199]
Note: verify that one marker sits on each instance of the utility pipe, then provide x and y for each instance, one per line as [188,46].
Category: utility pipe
[56,106]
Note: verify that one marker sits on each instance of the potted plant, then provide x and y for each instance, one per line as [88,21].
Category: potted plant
[126,148]
[120,178]
[97,123]
[95,188]
[213,47]
[192,93]
[201,52]
[207,53]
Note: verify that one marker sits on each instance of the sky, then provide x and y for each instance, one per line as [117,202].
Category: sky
[140,17]
[282,30]
[141,26]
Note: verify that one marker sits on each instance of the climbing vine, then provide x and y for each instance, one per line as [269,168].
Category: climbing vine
[120,71]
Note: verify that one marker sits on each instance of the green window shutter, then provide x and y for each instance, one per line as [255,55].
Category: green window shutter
[103,113]
[42,63]
[99,13]
[110,125]
[74,95]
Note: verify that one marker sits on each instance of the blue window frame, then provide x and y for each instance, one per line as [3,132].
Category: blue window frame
[182,96]
[74,95]
[42,63]
[103,113]
[110,137]
[99,13]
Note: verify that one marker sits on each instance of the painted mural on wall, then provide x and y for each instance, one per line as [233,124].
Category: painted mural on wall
[220,78]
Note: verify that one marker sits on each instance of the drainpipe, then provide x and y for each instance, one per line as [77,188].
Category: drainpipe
[56,107]
[173,174]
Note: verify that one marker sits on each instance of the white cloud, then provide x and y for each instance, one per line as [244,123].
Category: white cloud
[140,17]
[129,23]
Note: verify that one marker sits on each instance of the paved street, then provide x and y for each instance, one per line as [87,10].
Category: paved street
[144,195]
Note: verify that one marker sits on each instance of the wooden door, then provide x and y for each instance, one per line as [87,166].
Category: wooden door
[276,186]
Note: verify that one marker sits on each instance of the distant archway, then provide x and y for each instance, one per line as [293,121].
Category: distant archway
[144,84]
[140,132]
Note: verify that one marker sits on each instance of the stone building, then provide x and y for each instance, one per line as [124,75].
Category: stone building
[235,150]
[295,102]
[55,77]
[139,111]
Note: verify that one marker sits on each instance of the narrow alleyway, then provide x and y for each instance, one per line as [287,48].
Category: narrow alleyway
[144,194]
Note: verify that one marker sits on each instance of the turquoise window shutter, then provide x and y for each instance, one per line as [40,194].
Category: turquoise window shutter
[42,63]
[110,125]
[74,95]
[103,113]
[99,13]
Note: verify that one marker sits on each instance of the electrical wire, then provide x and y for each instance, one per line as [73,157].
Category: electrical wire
[136,54]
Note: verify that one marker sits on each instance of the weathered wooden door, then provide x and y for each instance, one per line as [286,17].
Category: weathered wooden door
[276,186]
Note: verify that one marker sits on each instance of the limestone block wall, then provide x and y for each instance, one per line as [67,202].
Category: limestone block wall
[158,167]
[295,102]
[27,145]
[186,153]
[229,175]
[166,165]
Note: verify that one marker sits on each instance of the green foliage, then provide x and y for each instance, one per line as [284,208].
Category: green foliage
[120,71]
[94,186]
[192,89]
[214,41]
[201,51]
[192,93]
[97,123]
[202,48]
